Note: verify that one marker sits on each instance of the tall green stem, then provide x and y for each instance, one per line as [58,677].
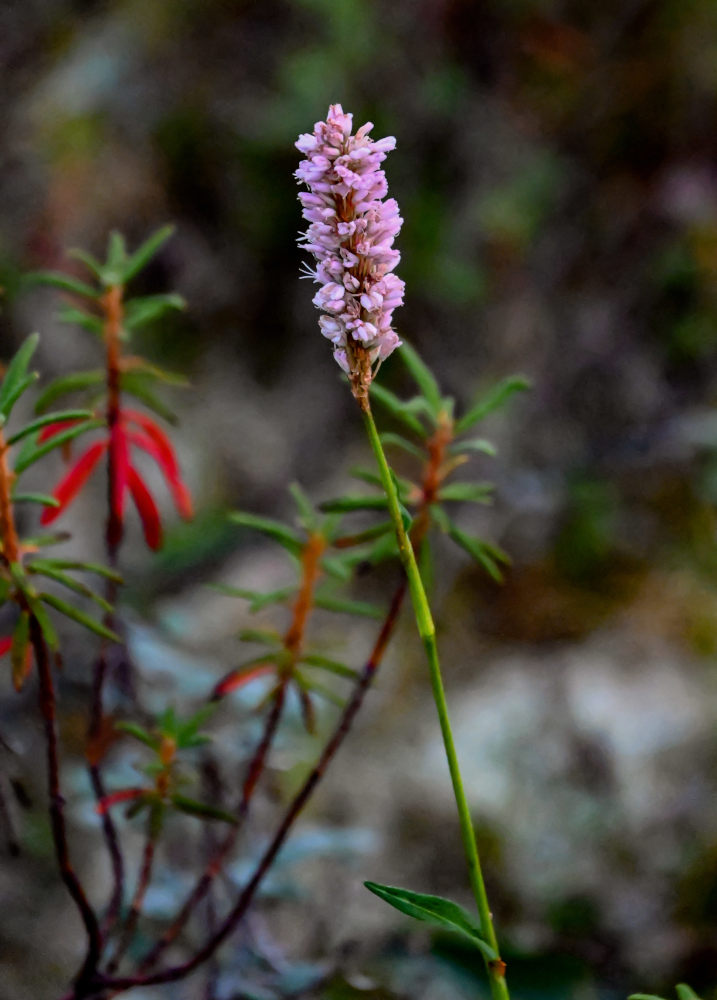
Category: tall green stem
[427,631]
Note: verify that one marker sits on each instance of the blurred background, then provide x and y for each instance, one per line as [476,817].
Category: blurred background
[556,172]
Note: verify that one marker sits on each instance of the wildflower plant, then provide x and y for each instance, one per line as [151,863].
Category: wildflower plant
[114,426]
[351,232]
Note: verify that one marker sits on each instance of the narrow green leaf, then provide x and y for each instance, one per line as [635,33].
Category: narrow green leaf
[67,581]
[397,408]
[644,996]
[84,567]
[90,262]
[142,256]
[340,568]
[425,379]
[474,444]
[685,992]
[42,498]
[145,368]
[46,626]
[79,317]
[44,541]
[347,607]
[491,401]
[346,541]
[16,376]
[65,384]
[144,310]
[433,910]
[389,438]
[28,457]
[309,684]
[139,733]
[263,637]
[18,651]
[202,810]
[136,384]
[281,533]
[49,418]
[65,282]
[483,553]
[113,273]
[80,617]
[344,504]
[474,492]
[257,599]
[333,666]
[305,507]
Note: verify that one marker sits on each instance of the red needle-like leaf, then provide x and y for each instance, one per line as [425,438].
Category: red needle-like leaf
[119,454]
[146,508]
[51,430]
[156,443]
[114,797]
[238,678]
[5,645]
[70,486]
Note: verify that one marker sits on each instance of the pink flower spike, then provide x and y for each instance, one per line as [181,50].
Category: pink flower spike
[5,645]
[68,488]
[125,795]
[146,508]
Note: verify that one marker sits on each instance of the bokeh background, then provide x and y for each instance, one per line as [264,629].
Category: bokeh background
[556,172]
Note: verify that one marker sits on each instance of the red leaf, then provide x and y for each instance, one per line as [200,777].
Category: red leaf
[146,508]
[114,797]
[238,678]
[156,443]
[119,457]
[5,645]
[68,488]
[50,430]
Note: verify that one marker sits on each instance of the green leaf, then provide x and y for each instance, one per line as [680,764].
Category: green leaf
[136,384]
[333,666]
[113,273]
[42,498]
[344,504]
[79,317]
[65,384]
[263,637]
[342,606]
[80,617]
[487,556]
[474,492]
[64,580]
[49,418]
[474,444]
[305,507]
[281,533]
[433,910]
[202,809]
[389,438]
[46,626]
[491,401]
[139,733]
[257,599]
[18,651]
[685,992]
[90,262]
[44,541]
[144,310]
[84,567]
[145,368]
[16,378]
[397,408]
[29,456]
[309,684]
[18,391]
[360,538]
[340,568]
[644,996]
[142,256]
[425,379]
[65,282]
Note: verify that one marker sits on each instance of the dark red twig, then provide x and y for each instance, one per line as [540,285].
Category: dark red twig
[246,897]
[87,973]
[143,880]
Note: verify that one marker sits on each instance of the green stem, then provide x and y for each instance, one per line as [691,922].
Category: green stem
[427,632]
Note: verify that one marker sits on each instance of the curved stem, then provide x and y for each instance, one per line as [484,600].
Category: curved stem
[427,631]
